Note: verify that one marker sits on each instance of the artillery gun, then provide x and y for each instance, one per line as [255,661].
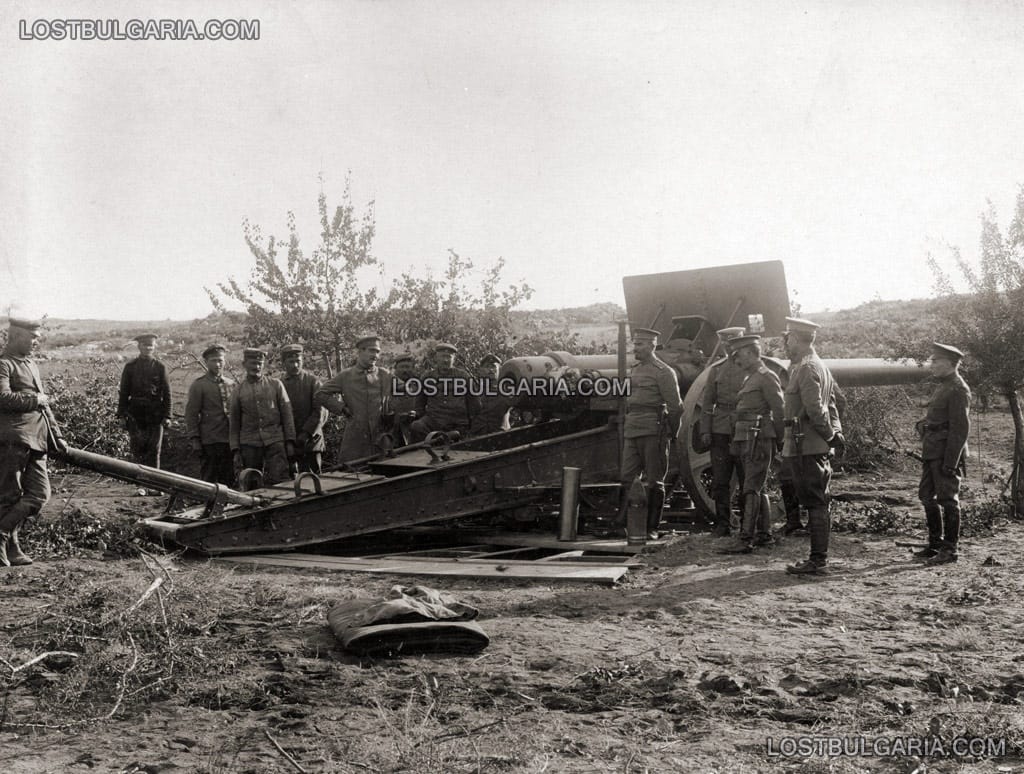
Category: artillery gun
[506,472]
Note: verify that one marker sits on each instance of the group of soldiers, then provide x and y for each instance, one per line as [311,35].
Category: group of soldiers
[749,416]
[275,425]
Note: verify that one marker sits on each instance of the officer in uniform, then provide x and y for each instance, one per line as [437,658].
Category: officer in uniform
[943,433]
[494,406]
[654,410]
[206,418]
[260,423]
[813,430]
[453,406]
[144,402]
[717,420]
[403,404]
[28,430]
[756,439]
[361,394]
[302,386]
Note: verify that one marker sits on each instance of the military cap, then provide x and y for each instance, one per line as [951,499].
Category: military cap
[370,339]
[406,356]
[25,323]
[798,325]
[254,353]
[736,343]
[445,347]
[490,359]
[289,349]
[146,337]
[645,334]
[947,352]
[729,333]
[213,349]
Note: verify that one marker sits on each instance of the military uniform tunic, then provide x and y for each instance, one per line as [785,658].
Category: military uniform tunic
[364,396]
[309,419]
[402,406]
[260,422]
[944,432]
[718,417]
[759,397]
[494,408]
[144,398]
[24,441]
[809,400]
[652,420]
[447,410]
[206,421]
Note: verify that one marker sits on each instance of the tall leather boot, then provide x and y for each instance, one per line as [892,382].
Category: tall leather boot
[4,540]
[15,555]
[792,506]
[951,534]
[763,523]
[723,512]
[620,519]
[744,542]
[819,525]
[933,517]
[655,506]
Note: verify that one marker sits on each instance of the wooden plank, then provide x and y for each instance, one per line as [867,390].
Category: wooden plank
[518,571]
[534,540]
[559,557]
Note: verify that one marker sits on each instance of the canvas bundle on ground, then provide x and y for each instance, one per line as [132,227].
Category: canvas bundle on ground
[413,619]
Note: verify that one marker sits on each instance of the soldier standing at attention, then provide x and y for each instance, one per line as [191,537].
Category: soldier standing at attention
[717,418]
[812,431]
[757,437]
[144,402]
[206,418]
[452,407]
[362,394]
[28,430]
[654,410]
[944,432]
[494,407]
[402,404]
[309,418]
[261,428]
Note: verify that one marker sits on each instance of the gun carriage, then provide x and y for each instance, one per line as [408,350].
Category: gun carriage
[506,472]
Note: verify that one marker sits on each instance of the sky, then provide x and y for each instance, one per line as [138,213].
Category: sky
[580,141]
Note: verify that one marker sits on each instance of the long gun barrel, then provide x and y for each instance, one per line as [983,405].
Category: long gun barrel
[163,480]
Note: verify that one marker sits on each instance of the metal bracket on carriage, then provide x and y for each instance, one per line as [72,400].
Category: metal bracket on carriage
[438,443]
[317,485]
[245,478]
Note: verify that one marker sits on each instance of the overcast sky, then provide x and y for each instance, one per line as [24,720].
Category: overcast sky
[581,141]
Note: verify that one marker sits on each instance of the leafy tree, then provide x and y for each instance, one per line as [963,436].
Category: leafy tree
[987,322]
[315,298]
[319,300]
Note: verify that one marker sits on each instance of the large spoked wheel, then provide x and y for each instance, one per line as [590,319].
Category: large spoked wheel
[695,466]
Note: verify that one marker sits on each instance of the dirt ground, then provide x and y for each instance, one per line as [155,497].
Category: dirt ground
[696,662]
[693,663]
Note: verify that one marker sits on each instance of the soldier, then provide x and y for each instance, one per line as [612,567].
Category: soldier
[756,439]
[652,423]
[943,433]
[28,430]
[717,420]
[452,407]
[362,394]
[261,428]
[812,431]
[206,418]
[403,405]
[494,407]
[309,418]
[144,402]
